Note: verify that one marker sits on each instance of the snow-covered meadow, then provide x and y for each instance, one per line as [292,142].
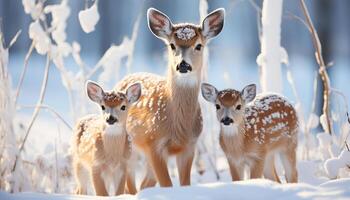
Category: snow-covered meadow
[35,160]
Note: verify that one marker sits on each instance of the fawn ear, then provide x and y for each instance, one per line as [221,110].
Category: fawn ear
[248,93]
[213,23]
[133,93]
[94,91]
[209,92]
[159,23]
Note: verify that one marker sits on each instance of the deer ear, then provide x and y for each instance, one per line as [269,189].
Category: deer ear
[209,92]
[213,23]
[159,23]
[133,93]
[94,92]
[248,93]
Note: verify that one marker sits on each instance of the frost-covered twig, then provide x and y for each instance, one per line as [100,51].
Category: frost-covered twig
[8,148]
[36,111]
[24,70]
[322,69]
[346,138]
[49,108]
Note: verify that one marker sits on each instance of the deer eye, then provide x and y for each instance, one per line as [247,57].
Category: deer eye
[103,108]
[238,107]
[198,47]
[217,106]
[172,46]
[123,108]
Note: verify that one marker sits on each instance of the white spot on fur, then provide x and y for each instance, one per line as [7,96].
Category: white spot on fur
[185,33]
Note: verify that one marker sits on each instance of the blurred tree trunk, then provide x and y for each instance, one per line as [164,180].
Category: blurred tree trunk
[270,56]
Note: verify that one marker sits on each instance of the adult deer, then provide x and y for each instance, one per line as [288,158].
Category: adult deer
[253,131]
[167,120]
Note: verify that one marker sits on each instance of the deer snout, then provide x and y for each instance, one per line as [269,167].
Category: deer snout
[111,120]
[183,67]
[227,121]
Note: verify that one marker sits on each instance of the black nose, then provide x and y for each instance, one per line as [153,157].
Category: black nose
[227,121]
[111,120]
[183,67]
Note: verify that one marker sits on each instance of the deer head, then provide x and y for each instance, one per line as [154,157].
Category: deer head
[230,104]
[185,42]
[114,105]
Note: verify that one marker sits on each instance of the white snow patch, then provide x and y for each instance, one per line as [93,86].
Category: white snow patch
[41,40]
[313,121]
[88,18]
[333,165]
[32,8]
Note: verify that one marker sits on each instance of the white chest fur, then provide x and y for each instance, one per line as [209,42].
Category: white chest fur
[114,130]
[186,80]
[230,130]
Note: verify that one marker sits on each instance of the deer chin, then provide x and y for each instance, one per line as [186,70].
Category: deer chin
[115,129]
[189,79]
[230,130]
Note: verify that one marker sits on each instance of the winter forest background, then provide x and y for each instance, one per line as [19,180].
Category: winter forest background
[122,43]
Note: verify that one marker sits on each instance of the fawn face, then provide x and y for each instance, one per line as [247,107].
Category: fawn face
[230,104]
[114,105]
[185,42]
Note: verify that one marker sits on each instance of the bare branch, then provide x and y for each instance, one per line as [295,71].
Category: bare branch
[24,70]
[322,68]
[293,16]
[36,111]
[52,110]
[14,39]
[346,138]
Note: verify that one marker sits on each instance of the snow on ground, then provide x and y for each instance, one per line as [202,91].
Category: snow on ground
[250,189]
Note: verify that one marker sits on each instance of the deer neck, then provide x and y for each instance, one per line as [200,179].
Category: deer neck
[183,99]
[236,134]
[114,138]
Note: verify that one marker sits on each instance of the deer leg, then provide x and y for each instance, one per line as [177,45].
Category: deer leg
[269,168]
[149,180]
[184,165]
[121,182]
[81,177]
[256,170]
[236,171]
[98,182]
[288,158]
[130,182]
[160,168]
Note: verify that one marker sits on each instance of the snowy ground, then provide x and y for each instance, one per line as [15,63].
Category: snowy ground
[313,182]
[250,189]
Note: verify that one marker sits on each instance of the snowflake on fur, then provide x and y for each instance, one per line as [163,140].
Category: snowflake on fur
[185,33]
